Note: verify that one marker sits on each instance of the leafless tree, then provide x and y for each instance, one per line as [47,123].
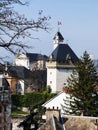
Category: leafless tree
[15,27]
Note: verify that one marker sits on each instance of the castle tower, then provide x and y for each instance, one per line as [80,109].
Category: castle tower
[60,65]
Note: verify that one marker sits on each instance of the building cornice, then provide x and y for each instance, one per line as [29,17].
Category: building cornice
[54,64]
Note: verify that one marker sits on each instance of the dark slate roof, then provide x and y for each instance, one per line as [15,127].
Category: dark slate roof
[20,72]
[61,53]
[59,36]
[35,57]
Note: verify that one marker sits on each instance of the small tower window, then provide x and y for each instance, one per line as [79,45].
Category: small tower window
[50,73]
[50,82]
[68,58]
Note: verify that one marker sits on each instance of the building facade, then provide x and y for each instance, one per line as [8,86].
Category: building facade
[32,61]
[23,80]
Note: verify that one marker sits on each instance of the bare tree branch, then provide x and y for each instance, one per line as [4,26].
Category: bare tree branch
[15,27]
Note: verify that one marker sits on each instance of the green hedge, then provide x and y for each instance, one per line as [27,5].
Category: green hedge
[30,99]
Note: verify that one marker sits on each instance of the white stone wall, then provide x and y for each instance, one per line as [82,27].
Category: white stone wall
[51,78]
[57,78]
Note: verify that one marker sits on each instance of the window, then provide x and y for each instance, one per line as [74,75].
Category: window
[50,73]
[50,82]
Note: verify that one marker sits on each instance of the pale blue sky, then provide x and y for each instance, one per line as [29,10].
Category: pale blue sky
[79,24]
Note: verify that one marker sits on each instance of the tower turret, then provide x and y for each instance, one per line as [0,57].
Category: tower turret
[58,39]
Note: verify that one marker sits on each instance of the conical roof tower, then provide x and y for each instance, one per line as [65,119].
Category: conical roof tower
[58,39]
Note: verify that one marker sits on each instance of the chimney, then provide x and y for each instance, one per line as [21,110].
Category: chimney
[50,112]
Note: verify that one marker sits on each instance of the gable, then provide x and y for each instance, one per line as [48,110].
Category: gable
[21,56]
[56,101]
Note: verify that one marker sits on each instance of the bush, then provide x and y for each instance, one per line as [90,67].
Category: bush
[31,99]
[16,100]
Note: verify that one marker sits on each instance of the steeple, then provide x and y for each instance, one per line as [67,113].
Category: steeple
[58,39]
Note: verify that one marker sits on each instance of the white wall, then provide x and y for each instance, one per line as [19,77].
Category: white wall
[57,78]
[51,78]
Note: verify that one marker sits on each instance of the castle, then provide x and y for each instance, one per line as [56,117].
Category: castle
[59,65]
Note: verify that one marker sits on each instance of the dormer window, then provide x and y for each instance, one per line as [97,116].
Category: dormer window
[51,57]
[68,58]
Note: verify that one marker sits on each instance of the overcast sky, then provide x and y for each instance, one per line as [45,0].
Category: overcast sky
[79,27]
